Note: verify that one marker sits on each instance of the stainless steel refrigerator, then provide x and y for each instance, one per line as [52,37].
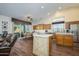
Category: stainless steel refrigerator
[74,28]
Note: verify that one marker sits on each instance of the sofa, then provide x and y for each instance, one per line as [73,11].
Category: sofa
[6,47]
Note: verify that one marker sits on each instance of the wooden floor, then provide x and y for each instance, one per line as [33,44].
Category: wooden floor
[25,47]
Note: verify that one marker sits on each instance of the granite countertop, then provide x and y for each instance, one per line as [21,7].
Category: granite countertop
[65,33]
[42,34]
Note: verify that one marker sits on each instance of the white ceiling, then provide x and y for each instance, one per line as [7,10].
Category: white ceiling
[20,10]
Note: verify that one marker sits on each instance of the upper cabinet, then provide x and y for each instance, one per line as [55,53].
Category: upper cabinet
[42,26]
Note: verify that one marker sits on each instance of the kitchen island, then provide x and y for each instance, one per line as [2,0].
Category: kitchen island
[64,39]
[42,44]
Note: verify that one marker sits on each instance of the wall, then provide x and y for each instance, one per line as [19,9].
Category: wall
[70,14]
[40,21]
[10,24]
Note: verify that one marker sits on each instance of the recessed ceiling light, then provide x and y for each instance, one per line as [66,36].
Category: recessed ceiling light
[59,8]
[48,13]
[42,6]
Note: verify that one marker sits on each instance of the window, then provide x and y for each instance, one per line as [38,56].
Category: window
[28,28]
[58,27]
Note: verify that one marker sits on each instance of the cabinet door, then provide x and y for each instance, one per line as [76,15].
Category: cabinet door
[68,41]
[47,26]
[59,39]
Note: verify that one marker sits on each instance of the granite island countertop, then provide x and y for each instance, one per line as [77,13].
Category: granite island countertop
[42,34]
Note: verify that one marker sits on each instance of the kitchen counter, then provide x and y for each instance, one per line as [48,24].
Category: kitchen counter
[64,39]
[42,35]
[41,44]
[65,33]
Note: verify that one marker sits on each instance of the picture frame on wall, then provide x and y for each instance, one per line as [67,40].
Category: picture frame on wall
[4,25]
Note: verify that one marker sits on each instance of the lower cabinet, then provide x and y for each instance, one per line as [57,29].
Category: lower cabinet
[68,41]
[41,46]
[64,40]
[59,39]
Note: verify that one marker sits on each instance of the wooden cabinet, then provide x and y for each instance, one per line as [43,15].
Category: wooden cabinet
[34,27]
[59,39]
[42,26]
[68,40]
[47,26]
[64,39]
